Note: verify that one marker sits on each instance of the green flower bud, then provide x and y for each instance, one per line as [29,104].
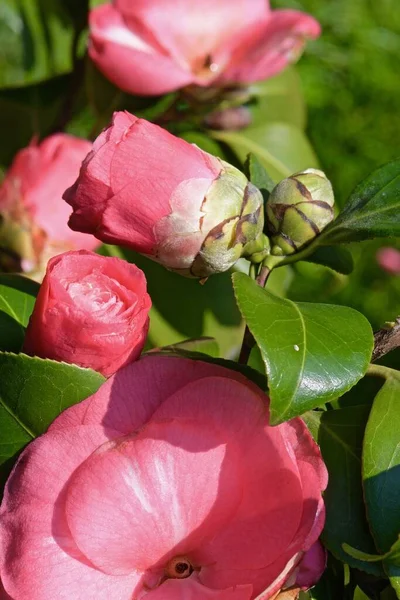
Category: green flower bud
[298,209]
[234,219]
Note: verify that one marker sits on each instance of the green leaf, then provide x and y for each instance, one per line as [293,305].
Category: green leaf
[381,464]
[313,352]
[204,345]
[36,39]
[392,556]
[258,176]
[281,148]
[339,434]
[336,258]
[359,594]
[33,392]
[17,298]
[371,211]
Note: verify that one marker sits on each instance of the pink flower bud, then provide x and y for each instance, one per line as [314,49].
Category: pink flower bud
[33,216]
[151,47]
[389,260]
[167,484]
[147,189]
[91,311]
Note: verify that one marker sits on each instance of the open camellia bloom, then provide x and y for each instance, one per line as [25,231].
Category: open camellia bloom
[147,189]
[91,311]
[34,217]
[151,47]
[167,484]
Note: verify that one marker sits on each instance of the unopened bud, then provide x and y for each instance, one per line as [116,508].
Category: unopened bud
[234,219]
[298,209]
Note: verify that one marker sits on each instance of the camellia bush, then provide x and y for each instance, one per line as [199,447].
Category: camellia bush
[174,426]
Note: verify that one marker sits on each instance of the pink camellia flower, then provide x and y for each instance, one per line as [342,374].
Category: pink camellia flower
[166,484]
[34,217]
[389,260]
[149,47]
[142,187]
[91,311]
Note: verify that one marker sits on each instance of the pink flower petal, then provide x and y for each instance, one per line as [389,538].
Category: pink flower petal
[191,31]
[42,562]
[130,397]
[190,589]
[140,501]
[128,60]
[277,43]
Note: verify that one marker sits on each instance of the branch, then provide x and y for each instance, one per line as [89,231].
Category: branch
[386,339]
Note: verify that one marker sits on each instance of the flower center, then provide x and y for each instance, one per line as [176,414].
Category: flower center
[179,568]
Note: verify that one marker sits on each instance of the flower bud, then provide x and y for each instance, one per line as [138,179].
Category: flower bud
[91,311]
[33,218]
[298,209]
[144,188]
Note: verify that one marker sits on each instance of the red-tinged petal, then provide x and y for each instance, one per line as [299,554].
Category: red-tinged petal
[128,60]
[139,501]
[192,31]
[38,558]
[311,567]
[314,477]
[190,589]
[268,49]
[130,397]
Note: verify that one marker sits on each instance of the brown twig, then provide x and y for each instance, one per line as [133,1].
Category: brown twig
[386,339]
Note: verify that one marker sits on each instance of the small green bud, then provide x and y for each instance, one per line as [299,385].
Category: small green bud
[236,207]
[298,209]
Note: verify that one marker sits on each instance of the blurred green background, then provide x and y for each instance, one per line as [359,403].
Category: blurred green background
[351,81]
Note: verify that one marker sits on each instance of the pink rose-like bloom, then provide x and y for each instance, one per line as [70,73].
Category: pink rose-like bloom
[91,311]
[149,47]
[389,260]
[144,188]
[166,484]
[35,184]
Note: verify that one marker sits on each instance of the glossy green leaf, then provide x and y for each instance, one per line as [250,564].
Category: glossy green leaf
[371,211]
[337,258]
[17,298]
[281,148]
[313,352]
[33,392]
[197,310]
[340,434]
[36,42]
[381,464]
